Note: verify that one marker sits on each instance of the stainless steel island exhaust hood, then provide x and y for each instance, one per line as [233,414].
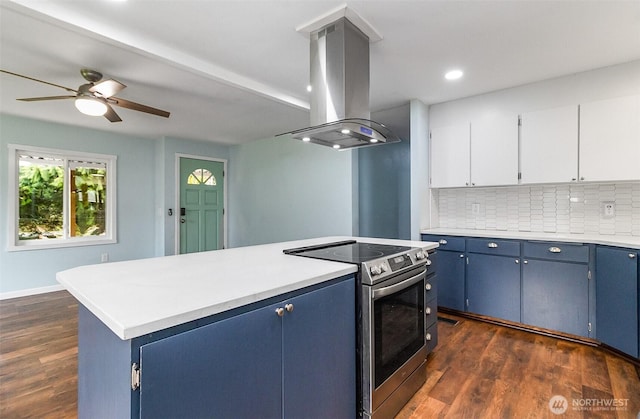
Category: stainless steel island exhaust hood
[340,115]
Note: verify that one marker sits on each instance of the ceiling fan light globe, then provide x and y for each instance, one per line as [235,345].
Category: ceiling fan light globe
[91,106]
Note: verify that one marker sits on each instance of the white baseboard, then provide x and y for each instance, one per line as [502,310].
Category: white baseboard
[30,291]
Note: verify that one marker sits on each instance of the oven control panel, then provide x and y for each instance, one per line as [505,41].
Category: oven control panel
[400,262]
[377,270]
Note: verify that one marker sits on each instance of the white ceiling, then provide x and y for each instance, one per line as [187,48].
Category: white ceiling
[236,71]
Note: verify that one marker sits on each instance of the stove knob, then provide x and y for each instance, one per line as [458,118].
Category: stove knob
[383,268]
[420,255]
[375,270]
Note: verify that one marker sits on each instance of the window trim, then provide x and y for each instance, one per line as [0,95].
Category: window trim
[15,244]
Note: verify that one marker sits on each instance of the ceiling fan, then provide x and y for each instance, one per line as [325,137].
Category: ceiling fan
[95,97]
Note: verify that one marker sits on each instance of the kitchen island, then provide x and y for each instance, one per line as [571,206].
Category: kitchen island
[243,332]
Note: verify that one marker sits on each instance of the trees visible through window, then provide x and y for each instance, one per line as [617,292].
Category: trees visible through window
[62,198]
[202,177]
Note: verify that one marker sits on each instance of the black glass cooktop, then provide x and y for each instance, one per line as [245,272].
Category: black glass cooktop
[348,251]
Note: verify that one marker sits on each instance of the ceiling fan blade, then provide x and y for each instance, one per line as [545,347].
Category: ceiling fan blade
[138,107]
[39,81]
[111,115]
[35,99]
[107,88]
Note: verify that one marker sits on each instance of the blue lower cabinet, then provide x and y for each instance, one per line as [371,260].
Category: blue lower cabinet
[228,369]
[616,298]
[319,355]
[259,364]
[493,286]
[451,270]
[288,358]
[556,296]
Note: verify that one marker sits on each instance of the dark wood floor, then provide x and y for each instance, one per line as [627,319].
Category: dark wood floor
[478,370]
[481,370]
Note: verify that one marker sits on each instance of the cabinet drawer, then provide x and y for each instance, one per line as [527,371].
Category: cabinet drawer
[432,337]
[431,314]
[557,251]
[452,243]
[494,247]
[431,288]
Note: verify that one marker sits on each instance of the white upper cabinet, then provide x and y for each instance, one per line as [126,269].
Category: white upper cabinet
[549,145]
[450,154]
[610,139]
[494,150]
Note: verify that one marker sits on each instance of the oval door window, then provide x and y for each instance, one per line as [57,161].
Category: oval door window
[202,177]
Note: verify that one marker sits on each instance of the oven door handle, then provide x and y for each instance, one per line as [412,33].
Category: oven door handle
[382,292]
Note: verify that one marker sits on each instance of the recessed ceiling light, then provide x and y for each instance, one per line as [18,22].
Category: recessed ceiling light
[336,146]
[306,139]
[345,131]
[373,140]
[309,88]
[453,75]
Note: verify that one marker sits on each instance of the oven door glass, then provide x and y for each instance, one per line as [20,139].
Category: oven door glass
[399,329]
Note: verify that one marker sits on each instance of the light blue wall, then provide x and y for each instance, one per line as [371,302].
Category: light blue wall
[278,189]
[384,180]
[284,189]
[21,270]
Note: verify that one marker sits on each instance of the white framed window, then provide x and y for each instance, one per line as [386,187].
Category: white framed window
[60,198]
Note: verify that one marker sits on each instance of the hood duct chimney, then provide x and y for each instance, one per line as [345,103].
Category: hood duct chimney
[340,116]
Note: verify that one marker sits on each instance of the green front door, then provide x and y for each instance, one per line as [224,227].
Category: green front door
[201,205]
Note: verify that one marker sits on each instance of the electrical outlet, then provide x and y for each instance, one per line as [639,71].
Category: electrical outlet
[475,209]
[104,257]
[608,209]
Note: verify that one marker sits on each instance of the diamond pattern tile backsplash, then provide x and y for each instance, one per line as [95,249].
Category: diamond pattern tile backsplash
[561,208]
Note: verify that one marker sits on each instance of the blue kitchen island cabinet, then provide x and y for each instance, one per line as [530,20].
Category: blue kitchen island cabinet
[289,356]
[555,286]
[616,298]
[451,270]
[493,278]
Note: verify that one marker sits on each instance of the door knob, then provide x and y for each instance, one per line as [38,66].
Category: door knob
[288,307]
[280,311]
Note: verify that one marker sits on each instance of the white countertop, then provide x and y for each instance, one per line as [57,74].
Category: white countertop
[632,242]
[137,297]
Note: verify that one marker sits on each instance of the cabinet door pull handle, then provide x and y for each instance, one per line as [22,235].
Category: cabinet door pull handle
[632,255]
[492,245]
[288,307]
[280,311]
[443,242]
[554,249]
